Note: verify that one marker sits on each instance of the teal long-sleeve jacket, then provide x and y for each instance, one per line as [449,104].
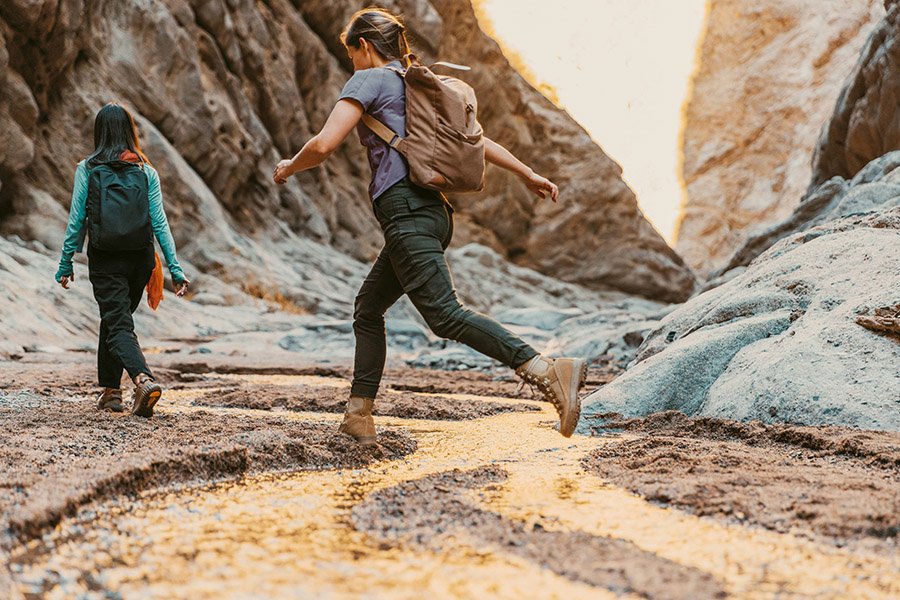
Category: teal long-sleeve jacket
[74,230]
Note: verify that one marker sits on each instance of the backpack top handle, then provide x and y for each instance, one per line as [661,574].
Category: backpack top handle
[411,59]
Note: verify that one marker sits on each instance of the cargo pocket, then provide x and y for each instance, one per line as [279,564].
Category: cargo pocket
[426,198]
[427,214]
[421,280]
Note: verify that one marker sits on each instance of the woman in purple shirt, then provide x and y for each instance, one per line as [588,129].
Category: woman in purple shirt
[417,225]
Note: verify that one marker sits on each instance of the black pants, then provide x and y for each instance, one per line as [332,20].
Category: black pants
[418,226]
[119,279]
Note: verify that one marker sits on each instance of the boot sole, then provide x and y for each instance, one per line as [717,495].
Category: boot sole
[568,428]
[145,400]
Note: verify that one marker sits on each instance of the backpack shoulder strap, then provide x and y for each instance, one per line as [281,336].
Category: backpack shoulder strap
[390,137]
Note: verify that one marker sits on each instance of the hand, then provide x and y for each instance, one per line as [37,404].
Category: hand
[541,186]
[65,279]
[181,288]
[282,171]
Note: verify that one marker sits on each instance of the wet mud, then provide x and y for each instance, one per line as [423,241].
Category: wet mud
[431,511]
[317,398]
[836,483]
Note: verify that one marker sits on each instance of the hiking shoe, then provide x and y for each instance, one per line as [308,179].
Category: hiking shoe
[146,395]
[358,422]
[559,380]
[111,400]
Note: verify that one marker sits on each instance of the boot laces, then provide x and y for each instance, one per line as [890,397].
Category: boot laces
[543,386]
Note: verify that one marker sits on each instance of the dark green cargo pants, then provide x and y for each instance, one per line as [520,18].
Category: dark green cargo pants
[418,225]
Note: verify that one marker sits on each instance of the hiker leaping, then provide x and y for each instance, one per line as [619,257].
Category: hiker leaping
[422,138]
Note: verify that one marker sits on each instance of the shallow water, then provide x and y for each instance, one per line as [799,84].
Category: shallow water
[292,536]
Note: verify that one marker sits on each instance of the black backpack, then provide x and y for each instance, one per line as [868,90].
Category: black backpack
[118,207]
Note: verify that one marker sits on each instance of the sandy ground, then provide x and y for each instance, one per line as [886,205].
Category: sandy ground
[59,454]
[835,483]
[430,511]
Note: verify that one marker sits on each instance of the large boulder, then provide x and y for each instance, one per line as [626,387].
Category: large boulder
[781,340]
[231,86]
[768,76]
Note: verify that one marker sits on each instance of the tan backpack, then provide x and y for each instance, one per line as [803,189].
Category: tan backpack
[444,145]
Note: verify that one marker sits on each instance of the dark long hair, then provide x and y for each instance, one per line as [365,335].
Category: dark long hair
[385,31]
[114,133]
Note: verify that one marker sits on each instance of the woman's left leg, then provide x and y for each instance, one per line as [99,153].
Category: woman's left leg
[417,257]
[109,374]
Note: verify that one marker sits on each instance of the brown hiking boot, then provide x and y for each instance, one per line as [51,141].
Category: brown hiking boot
[111,400]
[358,422]
[559,380]
[146,394]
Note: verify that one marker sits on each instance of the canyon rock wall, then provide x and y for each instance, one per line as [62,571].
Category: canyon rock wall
[768,76]
[801,323]
[858,145]
[866,120]
[223,89]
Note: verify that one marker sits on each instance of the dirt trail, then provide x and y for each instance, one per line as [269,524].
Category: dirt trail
[499,506]
[833,482]
[333,399]
[431,513]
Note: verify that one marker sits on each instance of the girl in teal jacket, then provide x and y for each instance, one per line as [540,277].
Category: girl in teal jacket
[118,278]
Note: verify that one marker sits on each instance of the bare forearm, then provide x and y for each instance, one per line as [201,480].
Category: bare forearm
[500,156]
[496,154]
[312,154]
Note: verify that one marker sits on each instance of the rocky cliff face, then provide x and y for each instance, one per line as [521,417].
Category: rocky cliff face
[768,77]
[866,120]
[856,145]
[221,90]
[802,326]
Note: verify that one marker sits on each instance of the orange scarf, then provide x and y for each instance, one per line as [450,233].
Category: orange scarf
[155,285]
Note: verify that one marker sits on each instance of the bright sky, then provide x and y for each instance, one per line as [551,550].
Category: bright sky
[621,68]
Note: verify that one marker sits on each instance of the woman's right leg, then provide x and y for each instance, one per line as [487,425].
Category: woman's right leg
[380,290]
[109,368]
[420,265]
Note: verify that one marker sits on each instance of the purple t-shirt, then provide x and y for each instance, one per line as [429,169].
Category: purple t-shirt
[382,94]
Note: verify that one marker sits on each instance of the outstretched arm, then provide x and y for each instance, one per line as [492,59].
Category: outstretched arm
[343,118]
[500,156]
